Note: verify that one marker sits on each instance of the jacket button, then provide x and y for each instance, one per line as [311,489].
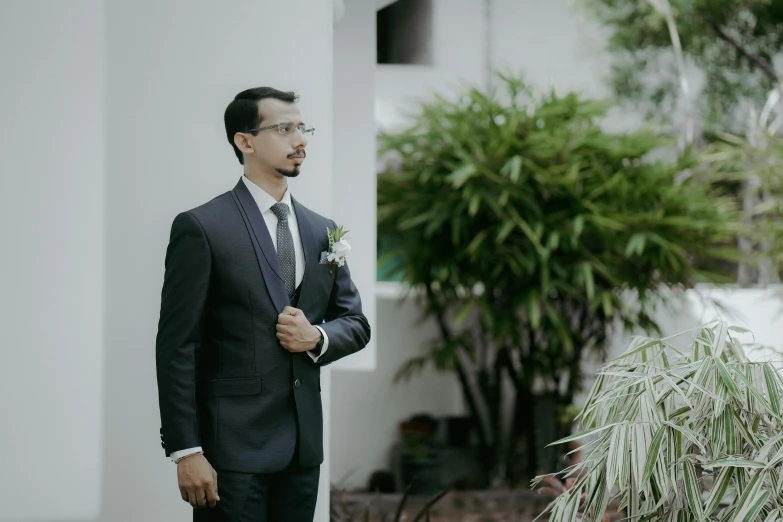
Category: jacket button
[296,383]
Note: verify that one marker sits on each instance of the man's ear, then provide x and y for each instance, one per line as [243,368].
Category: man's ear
[242,142]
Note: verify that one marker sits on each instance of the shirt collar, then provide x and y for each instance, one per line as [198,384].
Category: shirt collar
[263,199]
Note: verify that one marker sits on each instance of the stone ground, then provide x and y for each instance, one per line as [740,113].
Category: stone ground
[460,506]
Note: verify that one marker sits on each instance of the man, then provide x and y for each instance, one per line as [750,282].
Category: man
[250,311]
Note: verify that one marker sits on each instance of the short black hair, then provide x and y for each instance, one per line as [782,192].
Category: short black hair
[242,114]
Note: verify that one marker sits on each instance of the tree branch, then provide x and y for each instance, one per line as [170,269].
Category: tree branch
[759,62]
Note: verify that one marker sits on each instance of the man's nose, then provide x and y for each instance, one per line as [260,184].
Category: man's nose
[300,141]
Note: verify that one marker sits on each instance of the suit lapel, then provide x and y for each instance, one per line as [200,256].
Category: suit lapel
[311,254]
[262,244]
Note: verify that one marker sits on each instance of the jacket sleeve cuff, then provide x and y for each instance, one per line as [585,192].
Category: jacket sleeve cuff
[315,357]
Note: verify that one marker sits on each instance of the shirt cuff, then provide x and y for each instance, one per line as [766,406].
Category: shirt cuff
[315,357]
[184,453]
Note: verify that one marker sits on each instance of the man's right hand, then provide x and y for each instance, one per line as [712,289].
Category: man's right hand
[197,481]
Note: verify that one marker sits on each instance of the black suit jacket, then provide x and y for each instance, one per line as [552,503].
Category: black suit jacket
[224,381]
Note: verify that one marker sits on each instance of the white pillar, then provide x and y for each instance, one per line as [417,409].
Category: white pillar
[51,261]
[354,194]
[173,66]
[354,188]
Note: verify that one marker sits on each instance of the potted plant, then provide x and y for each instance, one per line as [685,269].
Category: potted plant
[419,460]
[680,433]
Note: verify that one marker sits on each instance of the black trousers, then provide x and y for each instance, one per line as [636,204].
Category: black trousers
[286,496]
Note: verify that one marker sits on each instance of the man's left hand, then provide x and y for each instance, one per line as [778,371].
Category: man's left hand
[295,332]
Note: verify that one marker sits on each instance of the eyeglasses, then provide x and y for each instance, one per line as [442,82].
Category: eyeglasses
[286,128]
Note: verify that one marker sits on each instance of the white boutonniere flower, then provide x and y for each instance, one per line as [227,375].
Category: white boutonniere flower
[338,247]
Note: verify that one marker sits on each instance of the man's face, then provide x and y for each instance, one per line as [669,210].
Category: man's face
[282,153]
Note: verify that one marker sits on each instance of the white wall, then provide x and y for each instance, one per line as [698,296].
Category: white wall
[759,310]
[458,38]
[550,43]
[555,44]
[457,49]
[367,407]
[51,262]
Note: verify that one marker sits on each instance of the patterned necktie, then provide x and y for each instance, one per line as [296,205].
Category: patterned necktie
[285,247]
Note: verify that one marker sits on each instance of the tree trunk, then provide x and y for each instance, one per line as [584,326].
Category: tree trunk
[528,419]
[467,378]
[746,274]
[524,424]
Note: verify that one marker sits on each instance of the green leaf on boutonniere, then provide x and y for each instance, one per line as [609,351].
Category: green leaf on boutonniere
[335,235]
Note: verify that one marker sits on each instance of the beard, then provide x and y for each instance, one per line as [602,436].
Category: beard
[289,173]
[293,172]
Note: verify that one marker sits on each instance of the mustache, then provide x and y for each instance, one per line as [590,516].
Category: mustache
[300,152]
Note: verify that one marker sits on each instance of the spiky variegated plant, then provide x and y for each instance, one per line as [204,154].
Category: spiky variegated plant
[681,435]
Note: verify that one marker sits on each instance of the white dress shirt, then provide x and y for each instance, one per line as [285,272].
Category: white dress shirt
[265,202]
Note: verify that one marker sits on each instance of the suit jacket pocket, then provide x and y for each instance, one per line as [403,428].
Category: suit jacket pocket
[233,387]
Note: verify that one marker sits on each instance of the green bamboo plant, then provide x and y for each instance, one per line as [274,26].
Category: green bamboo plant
[680,434]
[525,225]
[753,163]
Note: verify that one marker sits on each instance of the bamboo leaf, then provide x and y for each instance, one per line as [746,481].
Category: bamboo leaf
[720,340]
[505,229]
[635,245]
[725,376]
[777,458]
[751,389]
[747,501]
[583,434]
[734,463]
[473,206]
[692,491]
[653,454]
[587,273]
[750,508]
[463,312]
[773,391]
[738,329]
[766,449]
[649,345]
[460,176]
[730,435]
[745,430]
[719,489]
[614,458]
[689,434]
